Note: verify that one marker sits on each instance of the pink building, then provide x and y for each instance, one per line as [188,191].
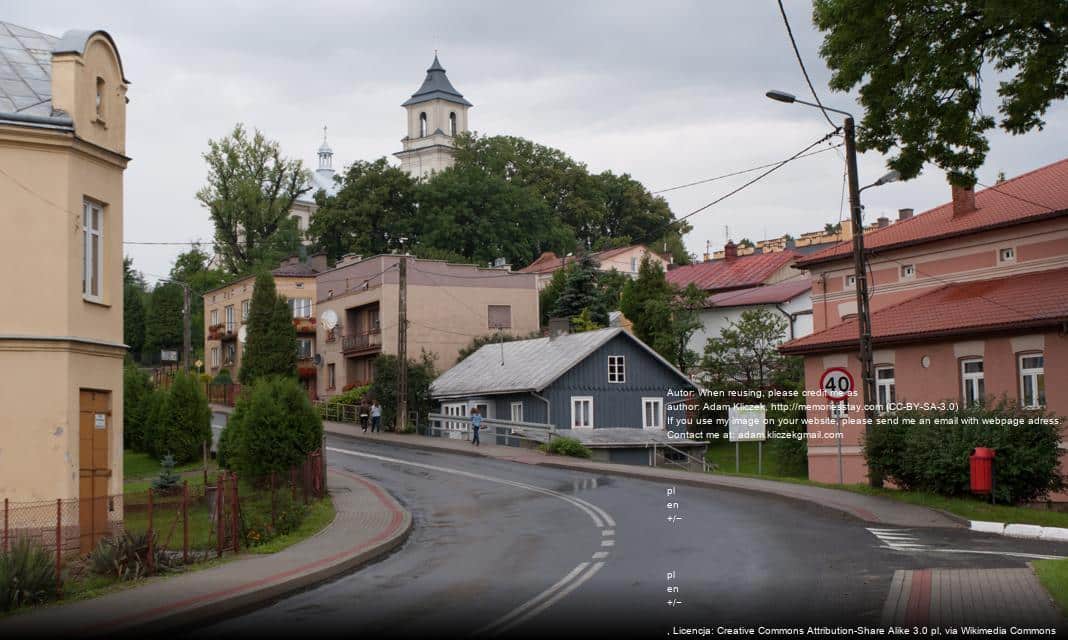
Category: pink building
[969,300]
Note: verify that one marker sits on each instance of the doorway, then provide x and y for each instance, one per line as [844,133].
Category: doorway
[94,467]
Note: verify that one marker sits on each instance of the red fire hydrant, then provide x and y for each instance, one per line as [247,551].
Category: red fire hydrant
[982,476]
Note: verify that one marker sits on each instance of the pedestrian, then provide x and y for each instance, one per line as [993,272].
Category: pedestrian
[363,415]
[476,424]
[376,417]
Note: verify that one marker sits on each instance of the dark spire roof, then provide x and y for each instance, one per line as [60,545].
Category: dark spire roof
[436,87]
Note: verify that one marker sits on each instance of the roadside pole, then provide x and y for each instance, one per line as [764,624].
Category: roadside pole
[838,437]
[187,347]
[402,345]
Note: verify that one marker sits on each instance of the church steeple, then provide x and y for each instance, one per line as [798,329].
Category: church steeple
[326,155]
[437,113]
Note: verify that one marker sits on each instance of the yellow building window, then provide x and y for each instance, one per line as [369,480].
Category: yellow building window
[92,250]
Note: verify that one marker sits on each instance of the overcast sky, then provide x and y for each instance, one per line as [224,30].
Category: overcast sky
[669,92]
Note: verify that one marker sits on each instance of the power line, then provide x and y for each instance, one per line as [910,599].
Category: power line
[189,243]
[801,62]
[742,172]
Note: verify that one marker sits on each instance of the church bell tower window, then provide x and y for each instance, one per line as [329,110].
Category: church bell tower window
[422,125]
[452,123]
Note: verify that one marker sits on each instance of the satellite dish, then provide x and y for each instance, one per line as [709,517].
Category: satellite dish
[242,334]
[329,319]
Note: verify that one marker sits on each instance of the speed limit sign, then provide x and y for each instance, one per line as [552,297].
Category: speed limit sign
[836,383]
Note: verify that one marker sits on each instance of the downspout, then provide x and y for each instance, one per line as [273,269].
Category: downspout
[792,317]
[548,411]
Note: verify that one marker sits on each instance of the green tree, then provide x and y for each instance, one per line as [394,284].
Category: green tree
[185,420]
[133,308]
[921,67]
[135,389]
[271,345]
[662,316]
[581,291]
[193,268]
[273,428]
[163,321]
[375,206]
[384,387]
[250,191]
[684,320]
[746,353]
[611,284]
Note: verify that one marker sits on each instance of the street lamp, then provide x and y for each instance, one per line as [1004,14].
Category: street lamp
[867,369]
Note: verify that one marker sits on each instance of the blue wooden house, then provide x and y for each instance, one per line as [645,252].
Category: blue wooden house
[605,388]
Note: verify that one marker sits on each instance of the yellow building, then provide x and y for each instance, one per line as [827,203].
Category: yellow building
[62,157]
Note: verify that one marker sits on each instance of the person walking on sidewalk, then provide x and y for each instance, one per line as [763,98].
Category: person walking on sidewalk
[476,424]
[364,416]
[376,417]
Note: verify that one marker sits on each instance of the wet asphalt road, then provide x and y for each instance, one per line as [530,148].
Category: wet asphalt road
[492,552]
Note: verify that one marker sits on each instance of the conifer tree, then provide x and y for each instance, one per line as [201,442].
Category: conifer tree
[271,345]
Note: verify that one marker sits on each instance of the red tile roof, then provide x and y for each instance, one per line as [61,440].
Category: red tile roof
[1023,302]
[548,261]
[1035,195]
[767,294]
[738,273]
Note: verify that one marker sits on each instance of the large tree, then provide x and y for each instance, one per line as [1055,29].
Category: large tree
[271,345]
[133,308]
[194,268]
[746,354]
[581,293]
[163,321]
[662,316]
[250,191]
[373,209]
[921,67]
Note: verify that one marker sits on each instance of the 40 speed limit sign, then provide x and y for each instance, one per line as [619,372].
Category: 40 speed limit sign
[837,383]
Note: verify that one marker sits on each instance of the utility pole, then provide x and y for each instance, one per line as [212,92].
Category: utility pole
[867,370]
[402,343]
[187,346]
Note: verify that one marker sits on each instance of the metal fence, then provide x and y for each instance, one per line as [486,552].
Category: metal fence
[183,524]
[222,393]
[440,425]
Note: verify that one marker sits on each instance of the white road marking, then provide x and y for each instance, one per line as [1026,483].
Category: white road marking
[897,540]
[600,555]
[573,580]
[1017,554]
[608,532]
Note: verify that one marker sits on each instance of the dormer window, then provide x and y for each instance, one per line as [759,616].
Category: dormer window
[422,125]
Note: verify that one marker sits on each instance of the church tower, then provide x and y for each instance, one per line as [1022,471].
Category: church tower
[437,112]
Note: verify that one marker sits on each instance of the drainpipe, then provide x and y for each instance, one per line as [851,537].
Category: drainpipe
[791,317]
[548,411]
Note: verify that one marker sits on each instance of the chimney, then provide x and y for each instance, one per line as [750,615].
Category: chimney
[883,222]
[318,262]
[730,251]
[559,327]
[963,200]
[904,214]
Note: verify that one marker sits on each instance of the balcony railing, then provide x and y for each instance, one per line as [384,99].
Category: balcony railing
[304,325]
[370,341]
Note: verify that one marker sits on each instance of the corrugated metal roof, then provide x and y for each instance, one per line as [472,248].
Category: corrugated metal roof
[767,294]
[25,71]
[526,365]
[736,273]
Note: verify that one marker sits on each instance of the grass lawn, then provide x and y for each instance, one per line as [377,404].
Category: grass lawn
[320,514]
[1054,577]
[722,454]
[140,469]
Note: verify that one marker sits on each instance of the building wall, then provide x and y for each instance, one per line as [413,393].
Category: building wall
[629,261]
[447,307]
[1038,246]
[715,320]
[616,404]
[53,341]
[940,381]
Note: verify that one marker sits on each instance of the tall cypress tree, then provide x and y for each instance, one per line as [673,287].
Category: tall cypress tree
[271,347]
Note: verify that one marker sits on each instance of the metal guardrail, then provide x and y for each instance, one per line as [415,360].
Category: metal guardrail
[701,461]
[440,425]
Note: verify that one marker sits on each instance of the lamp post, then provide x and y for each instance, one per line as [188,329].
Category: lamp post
[867,369]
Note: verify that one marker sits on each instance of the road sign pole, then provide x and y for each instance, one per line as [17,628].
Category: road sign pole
[760,457]
[838,437]
[737,457]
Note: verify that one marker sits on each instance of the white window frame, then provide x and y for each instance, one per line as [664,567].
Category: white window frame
[621,375]
[1033,373]
[588,424]
[244,310]
[331,376]
[92,262]
[517,412]
[908,272]
[1011,257]
[885,386]
[633,264]
[300,350]
[975,379]
[215,357]
[214,315]
[301,307]
[849,281]
[660,417]
[455,428]
[230,324]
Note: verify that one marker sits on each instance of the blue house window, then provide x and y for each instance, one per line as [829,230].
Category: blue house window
[617,369]
[581,412]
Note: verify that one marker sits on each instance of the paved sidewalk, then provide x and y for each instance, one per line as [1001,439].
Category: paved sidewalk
[368,525]
[976,597]
[868,508]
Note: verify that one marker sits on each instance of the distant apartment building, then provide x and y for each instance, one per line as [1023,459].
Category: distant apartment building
[226,310]
[969,301]
[448,305]
[737,283]
[622,259]
[62,158]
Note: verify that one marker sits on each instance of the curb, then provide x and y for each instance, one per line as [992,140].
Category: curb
[274,587]
[1028,531]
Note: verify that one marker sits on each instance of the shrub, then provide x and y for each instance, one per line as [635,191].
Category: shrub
[125,556]
[567,446]
[384,387]
[274,427]
[168,480]
[135,387]
[255,521]
[351,395]
[152,416]
[913,452]
[27,575]
[185,420]
[205,378]
[223,377]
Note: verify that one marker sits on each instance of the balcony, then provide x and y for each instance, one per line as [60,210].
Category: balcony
[228,332]
[305,368]
[304,325]
[215,331]
[362,343]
